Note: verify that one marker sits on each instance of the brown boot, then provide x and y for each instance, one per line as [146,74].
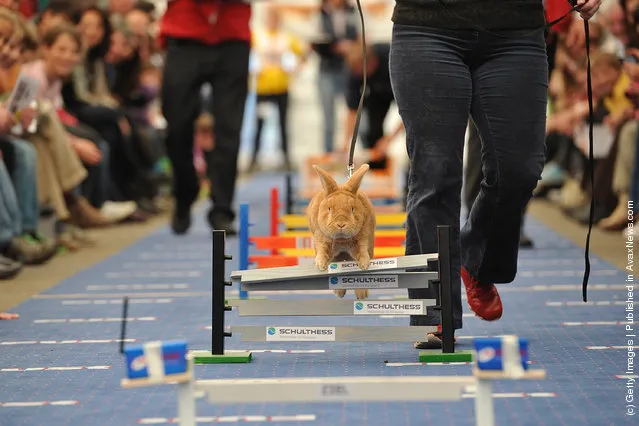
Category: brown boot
[618,219]
[84,215]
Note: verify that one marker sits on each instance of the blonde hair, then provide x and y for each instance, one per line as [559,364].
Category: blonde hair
[15,28]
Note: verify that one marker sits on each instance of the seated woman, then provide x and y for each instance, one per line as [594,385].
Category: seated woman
[84,97]
[60,170]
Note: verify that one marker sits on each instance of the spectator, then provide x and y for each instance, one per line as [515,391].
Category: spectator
[276,56]
[377,103]
[338,20]
[214,39]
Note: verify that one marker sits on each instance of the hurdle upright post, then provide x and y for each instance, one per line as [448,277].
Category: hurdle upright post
[446,288]
[289,193]
[219,307]
[244,245]
[275,209]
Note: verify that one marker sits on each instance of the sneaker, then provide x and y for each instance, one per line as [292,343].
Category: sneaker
[84,215]
[26,250]
[181,221]
[221,223]
[66,242]
[483,299]
[433,340]
[82,238]
[9,268]
[117,212]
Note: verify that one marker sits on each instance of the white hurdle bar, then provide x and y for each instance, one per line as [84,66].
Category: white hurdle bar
[336,390]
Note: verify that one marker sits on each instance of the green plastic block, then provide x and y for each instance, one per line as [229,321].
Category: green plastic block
[229,357]
[439,356]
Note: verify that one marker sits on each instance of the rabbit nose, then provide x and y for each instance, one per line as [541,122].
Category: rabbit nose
[341,225]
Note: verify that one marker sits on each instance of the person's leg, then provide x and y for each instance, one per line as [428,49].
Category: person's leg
[473,175]
[435,112]
[376,111]
[25,182]
[230,88]
[622,175]
[510,81]
[326,83]
[282,109]
[181,85]
[259,126]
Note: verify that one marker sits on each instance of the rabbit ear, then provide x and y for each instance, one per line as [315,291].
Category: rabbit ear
[355,181]
[327,180]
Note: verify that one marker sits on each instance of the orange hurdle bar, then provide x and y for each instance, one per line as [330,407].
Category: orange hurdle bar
[271,243]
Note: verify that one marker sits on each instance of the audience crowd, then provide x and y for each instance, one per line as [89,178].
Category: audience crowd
[80,139]
[88,150]
[614,47]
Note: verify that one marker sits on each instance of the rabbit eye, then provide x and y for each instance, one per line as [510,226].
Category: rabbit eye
[329,209]
[353,210]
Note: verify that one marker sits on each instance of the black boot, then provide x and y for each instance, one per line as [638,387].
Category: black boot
[181,219]
[221,222]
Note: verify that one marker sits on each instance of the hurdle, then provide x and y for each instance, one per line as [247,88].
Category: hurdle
[335,390]
[218,354]
[417,271]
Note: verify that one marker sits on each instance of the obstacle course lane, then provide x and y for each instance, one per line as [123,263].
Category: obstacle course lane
[581,361]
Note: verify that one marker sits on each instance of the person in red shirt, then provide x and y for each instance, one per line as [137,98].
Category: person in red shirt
[207,41]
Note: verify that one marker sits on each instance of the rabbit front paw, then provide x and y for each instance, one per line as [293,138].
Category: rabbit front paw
[340,293]
[364,261]
[321,262]
[361,294]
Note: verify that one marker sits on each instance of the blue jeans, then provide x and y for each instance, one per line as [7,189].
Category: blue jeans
[25,182]
[439,78]
[10,218]
[331,84]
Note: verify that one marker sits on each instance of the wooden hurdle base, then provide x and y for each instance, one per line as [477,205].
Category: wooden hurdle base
[229,357]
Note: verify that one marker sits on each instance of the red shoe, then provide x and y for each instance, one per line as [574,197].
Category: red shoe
[483,299]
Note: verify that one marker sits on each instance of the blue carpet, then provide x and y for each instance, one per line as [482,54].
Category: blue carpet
[174,275]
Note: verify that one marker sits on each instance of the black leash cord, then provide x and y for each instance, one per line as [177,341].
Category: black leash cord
[351,153]
[591,160]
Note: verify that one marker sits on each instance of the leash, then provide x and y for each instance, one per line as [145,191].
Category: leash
[358,117]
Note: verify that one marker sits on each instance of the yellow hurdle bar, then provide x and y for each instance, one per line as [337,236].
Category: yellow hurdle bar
[378,233]
[379,252]
[301,221]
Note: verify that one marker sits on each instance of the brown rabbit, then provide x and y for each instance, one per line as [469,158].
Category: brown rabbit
[342,222]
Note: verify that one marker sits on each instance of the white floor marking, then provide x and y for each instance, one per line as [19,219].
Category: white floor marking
[232,419]
[626,377]
[28,369]
[91,320]
[287,351]
[517,395]
[572,273]
[154,274]
[570,324]
[105,287]
[64,342]
[429,364]
[37,403]
[559,287]
[465,315]
[174,256]
[580,303]
[115,301]
[602,348]
[168,265]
